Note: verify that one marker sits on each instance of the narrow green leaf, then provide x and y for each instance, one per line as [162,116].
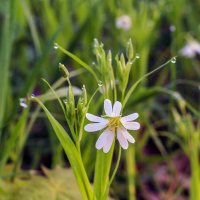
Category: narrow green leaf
[5,46]
[72,154]
[9,144]
[78,60]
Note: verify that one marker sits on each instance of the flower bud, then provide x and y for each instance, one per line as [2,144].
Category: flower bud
[63,70]
[109,57]
[70,106]
[122,61]
[84,95]
[81,110]
[82,102]
[129,50]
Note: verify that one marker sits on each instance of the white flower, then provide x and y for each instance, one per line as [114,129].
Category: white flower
[112,123]
[190,49]
[123,22]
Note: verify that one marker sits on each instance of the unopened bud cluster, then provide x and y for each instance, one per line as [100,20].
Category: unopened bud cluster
[75,113]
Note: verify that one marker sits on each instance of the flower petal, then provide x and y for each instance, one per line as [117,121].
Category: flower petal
[128,136]
[122,140]
[117,108]
[109,141]
[131,125]
[130,117]
[108,107]
[102,139]
[94,118]
[95,126]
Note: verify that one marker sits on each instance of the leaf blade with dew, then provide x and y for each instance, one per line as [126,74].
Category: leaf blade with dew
[78,60]
[68,119]
[131,90]
[44,98]
[71,152]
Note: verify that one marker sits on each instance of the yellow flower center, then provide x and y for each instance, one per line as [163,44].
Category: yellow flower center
[113,123]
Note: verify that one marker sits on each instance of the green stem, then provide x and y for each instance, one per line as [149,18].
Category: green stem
[116,166]
[113,174]
[131,90]
[131,171]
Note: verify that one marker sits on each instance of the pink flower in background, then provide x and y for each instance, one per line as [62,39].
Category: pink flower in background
[190,49]
[123,22]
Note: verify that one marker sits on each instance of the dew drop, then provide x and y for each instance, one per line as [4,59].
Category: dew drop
[177,96]
[137,56]
[100,83]
[83,88]
[32,96]
[173,60]
[55,46]
[22,102]
[172,28]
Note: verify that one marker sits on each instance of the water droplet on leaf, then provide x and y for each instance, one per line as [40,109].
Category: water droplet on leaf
[32,96]
[172,28]
[55,46]
[173,60]
[137,56]
[22,102]
[100,83]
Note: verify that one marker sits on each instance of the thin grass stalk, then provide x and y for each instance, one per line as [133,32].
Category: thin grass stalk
[32,26]
[195,167]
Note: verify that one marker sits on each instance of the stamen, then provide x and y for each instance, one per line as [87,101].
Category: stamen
[114,123]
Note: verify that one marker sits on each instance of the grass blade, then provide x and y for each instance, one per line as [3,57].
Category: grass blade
[5,53]
[72,154]
[78,60]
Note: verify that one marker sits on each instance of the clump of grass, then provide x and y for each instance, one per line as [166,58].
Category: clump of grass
[75,116]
